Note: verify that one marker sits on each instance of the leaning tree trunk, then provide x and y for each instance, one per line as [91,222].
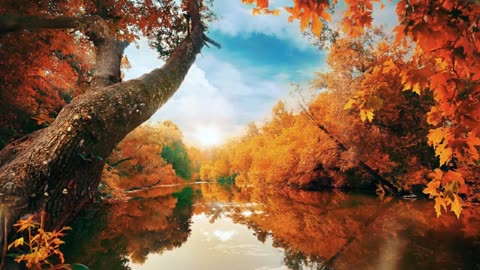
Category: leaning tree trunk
[57,169]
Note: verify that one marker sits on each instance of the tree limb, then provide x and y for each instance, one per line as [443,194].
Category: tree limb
[12,23]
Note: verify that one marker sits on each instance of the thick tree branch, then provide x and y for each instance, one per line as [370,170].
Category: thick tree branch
[11,23]
[109,53]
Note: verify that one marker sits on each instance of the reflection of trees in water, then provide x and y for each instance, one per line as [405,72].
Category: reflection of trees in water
[322,230]
[316,230]
[104,238]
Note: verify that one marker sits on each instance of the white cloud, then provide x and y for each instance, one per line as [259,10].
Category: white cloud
[235,19]
[250,93]
[217,94]
[197,101]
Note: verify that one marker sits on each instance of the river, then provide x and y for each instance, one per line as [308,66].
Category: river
[212,226]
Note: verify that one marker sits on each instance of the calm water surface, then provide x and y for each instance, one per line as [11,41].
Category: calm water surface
[224,227]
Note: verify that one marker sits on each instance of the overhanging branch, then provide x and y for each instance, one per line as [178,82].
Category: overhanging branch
[11,23]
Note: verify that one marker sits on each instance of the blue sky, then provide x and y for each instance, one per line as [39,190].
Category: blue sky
[227,88]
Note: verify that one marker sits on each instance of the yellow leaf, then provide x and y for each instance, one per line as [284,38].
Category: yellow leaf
[435,136]
[416,88]
[366,115]
[256,11]
[349,104]
[445,155]
[388,66]
[16,243]
[457,206]
[370,115]
[431,188]
[363,116]
[442,64]
[439,202]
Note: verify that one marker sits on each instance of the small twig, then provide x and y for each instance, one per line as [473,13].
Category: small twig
[115,164]
[211,41]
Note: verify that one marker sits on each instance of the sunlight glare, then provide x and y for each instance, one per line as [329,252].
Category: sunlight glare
[208,136]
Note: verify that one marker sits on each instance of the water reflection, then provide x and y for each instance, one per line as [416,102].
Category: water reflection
[225,227]
[112,236]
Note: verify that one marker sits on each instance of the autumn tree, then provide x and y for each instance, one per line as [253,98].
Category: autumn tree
[41,70]
[393,143]
[139,161]
[444,60]
[217,164]
[177,155]
[58,168]
[359,128]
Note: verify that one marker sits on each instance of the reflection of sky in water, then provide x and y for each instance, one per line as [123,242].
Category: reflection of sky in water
[225,244]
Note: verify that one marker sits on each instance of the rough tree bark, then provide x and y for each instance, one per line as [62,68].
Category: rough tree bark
[108,54]
[58,168]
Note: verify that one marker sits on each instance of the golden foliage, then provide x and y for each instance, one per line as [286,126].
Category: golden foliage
[42,245]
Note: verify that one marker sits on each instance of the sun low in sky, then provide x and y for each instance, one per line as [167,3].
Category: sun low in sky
[209,135]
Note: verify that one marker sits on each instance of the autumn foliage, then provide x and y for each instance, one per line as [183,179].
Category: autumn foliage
[39,78]
[140,162]
[403,108]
